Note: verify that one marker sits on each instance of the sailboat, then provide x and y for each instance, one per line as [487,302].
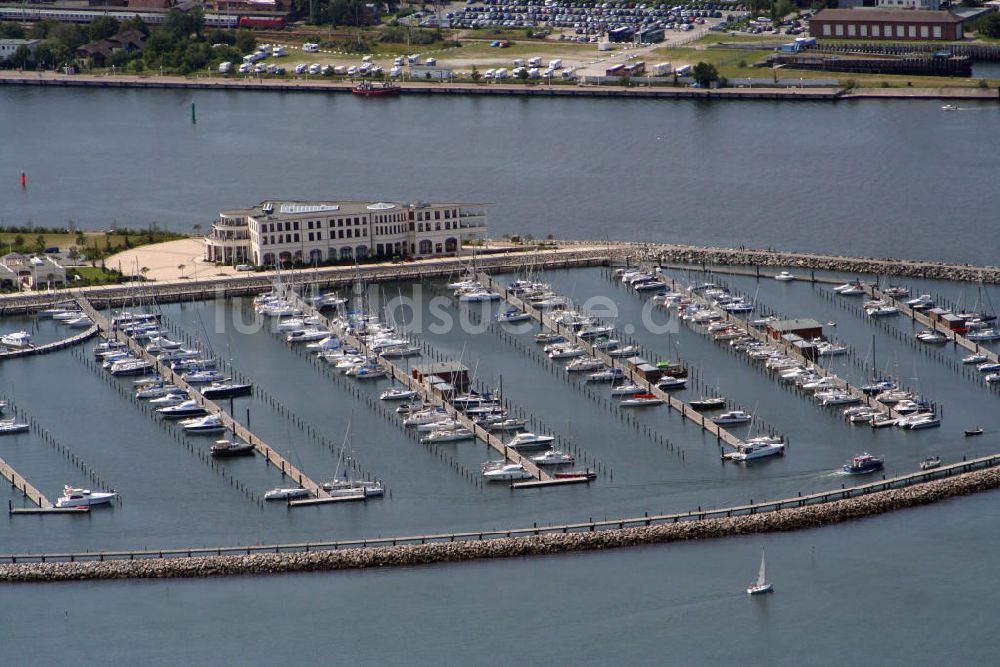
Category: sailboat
[761,585]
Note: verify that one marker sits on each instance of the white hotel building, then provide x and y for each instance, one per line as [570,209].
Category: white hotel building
[309,232]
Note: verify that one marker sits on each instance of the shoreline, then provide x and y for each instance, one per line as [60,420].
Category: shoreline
[408,555]
[14,78]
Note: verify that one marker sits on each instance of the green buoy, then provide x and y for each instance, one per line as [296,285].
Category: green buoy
[194,118]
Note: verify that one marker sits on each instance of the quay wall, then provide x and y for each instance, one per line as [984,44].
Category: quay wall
[795,518]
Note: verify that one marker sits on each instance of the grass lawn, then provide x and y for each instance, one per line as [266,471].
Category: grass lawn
[65,240]
[91,275]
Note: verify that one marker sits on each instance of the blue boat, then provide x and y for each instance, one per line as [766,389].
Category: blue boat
[863,464]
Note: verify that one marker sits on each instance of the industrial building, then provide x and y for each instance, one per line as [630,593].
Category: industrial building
[877,23]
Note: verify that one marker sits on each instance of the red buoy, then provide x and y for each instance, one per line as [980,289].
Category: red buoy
[24,181]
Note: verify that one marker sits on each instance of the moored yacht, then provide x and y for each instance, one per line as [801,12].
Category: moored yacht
[397,394]
[529,440]
[188,408]
[732,417]
[227,389]
[10,426]
[553,457]
[227,448]
[286,493]
[16,340]
[502,471]
[77,497]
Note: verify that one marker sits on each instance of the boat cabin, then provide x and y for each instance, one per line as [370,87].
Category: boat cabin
[805,328]
[449,372]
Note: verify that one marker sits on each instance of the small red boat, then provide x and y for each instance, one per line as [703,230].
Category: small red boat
[369,89]
[576,474]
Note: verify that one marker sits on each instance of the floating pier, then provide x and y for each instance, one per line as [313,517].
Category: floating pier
[784,346]
[50,347]
[721,434]
[240,431]
[401,376]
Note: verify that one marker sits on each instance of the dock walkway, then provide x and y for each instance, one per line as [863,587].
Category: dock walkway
[784,346]
[240,431]
[721,434]
[24,486]
[401,376]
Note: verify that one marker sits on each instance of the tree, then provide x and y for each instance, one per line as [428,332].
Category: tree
[704,74]
[988,26]
[101,28]
[81,240]
[11,30]
[19,241]
[39,244]
[180,267]
[21,58]
[245,42]
[475,75]
[183,24]
[522,74]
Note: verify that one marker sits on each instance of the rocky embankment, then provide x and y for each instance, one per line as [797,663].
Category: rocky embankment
[407,555]
[887,266]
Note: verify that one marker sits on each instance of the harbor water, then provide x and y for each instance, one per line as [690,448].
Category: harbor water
[864,178]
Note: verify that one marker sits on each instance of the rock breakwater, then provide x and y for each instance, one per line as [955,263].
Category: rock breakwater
[797,518]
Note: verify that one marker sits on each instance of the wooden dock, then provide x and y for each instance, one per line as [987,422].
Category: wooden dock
[50,347]
[240,431]
[24,486]
[784,346]
[403,378]
[721,434]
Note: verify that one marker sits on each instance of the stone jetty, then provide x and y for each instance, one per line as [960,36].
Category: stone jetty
[796,518]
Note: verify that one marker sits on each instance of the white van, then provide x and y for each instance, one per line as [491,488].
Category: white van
[225,68]
[500,73]
[432,61]
[310,47]
[534,62]
[555,64]
[518,62]
[300,68]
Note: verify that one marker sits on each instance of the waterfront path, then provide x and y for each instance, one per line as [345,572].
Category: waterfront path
[796,512]
[240,431]
[721,434]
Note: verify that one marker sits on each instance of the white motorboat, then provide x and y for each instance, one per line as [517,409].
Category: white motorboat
[837,397]
[203,377]
[607,375]
[505,473]
[206,424]
[11,426]
[567,352]
[16,340]
[784,276]
[156,391]
[478,295]
[761,585]
[708,403]
[627,351]
[669,382]
[397,394]
[988,367]
[553,457]
[449,435]
[627,390]
[882,310]
[351,488]
[399,351]
[827,349]
[188,408]
[508,424]
[640,401]
[81,322]
[584,365]
[67,315]
[424,417]
[286,493]
[367,372]
[732,417]
[442,424]
[984,334]
[76,497]
[529,440]
[130,366]
[512,315]
[175,398]
[306,336]
[757,449]
[977,358]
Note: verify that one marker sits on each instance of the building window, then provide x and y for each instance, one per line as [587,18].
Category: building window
[340,233]
[850,29]
[349,233]
[346,253]
[437,215]
[826,29]
[864,30]
[876,31]
[437,226]
[361,252]
[364,231]
[937,32]
[912,30]
[310,234]
[838,30]
[296,225]
[379,249]
[296,239]
[924,32]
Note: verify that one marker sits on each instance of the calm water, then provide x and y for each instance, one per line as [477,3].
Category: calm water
[881,178]
[865,178]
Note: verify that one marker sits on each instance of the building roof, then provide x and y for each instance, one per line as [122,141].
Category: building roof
[19,42]
[794,325]
[299,209]
[887,15]
[439,368]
